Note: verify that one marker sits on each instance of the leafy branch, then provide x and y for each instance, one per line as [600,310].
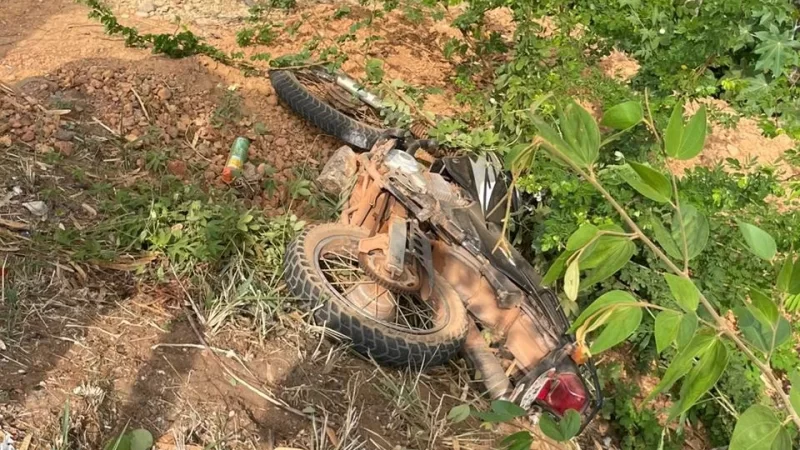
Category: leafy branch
[701,358]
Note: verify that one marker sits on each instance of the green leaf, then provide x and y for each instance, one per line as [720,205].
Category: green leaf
[794,393]
[141,439]
[579,140]
[696,228]
[647,182]
[121,442]
[665,240]
[459,413]
[622,324]
[760,335]
[702,377]
[777,51]
[785,275]
[685,142]
[553,139]
[521,440]
[682,363]
[508,408]
[759,241]
[684,292]
[518,158]
[623,116]
[556,269]
[610,254]
[759,429]
[572,280]
[794,280]
[570,424]
[602,302]
[550,428]
[653,178]
[580,130]
[694,136]
[666,328]
[686,329]
[581,236]
[674,133]
[502,411]
[765,306]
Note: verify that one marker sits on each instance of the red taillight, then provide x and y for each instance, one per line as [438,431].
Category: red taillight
[562,392]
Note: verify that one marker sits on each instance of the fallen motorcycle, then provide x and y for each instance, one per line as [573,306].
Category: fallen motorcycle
[416,270]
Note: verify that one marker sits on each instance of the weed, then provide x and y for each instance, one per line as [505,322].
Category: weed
[155,161]
[52,158]
[228,110]
[291,29]
[342,11]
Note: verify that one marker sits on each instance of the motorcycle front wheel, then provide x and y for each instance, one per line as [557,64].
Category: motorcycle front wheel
[395,329]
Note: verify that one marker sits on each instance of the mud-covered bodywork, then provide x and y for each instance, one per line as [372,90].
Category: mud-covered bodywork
[455,208]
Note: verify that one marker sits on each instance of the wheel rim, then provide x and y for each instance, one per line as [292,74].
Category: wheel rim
[339,98]
[336,260]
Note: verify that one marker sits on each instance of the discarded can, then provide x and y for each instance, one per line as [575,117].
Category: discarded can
[236,159]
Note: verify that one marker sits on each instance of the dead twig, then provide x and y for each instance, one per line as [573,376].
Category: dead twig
[191,300]
[106,127]
[141,103]
[14,226]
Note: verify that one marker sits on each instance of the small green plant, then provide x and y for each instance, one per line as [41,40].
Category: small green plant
[341,11]
[244,37]
[374,69]
[139,439]
[177,45]
[156,161]
[228,110]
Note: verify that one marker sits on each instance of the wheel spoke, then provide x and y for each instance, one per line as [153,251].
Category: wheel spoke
[339,264]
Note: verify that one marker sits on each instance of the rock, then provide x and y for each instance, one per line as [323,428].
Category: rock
[64,135]
[37,208]
[145,7]
[164,94]
[65,148]
[272,100]
[5,141]
[338,173]
[172,131]
[42,148]
[250,173]
[177,168]
[281,142]
[28,136]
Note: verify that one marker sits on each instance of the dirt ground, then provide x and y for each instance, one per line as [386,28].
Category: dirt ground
[88,350]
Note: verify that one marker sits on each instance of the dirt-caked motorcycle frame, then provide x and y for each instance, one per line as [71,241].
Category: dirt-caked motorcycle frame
[416,271]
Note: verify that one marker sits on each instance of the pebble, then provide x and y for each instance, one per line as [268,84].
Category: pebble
[281,142]
[65,148]
[145,7]
[164,94]
[64,135]
[177,168]
[28,136]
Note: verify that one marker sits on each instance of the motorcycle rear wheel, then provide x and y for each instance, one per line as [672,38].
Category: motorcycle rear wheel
[416,343]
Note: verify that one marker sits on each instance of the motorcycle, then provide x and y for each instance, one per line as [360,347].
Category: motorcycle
[416,270]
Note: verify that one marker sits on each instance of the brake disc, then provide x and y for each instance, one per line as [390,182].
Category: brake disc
[374,265]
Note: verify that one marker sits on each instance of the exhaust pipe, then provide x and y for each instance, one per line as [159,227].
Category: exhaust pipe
[494,377]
